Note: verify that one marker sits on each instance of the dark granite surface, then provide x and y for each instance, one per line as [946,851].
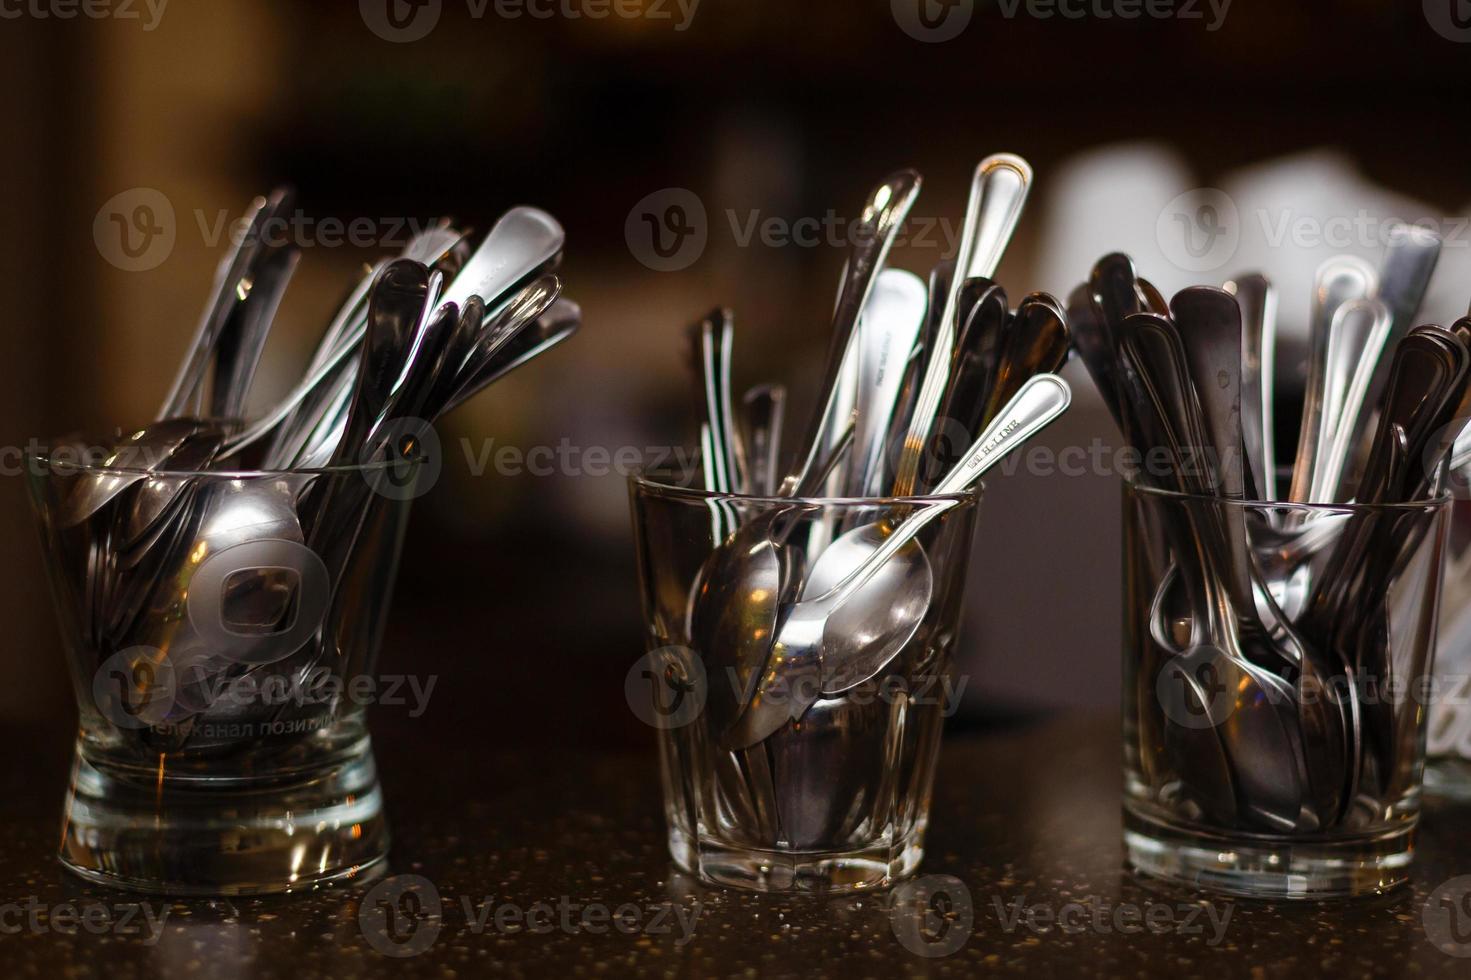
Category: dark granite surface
[1026,819]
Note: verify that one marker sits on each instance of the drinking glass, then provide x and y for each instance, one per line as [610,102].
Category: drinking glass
[831,793]
[221,630]
[1277,664]
[1448,741]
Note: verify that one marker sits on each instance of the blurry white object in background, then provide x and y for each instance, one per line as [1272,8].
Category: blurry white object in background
[1298,211]
[1109,200]
[1281,217]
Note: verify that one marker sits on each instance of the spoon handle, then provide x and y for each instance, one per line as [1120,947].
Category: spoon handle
[1039,401]
[762,411]
[892,322]
[997,196]
[1360,332]
[235,267]
[1337,281]
[1258,300]
[1410,257]
[883,214]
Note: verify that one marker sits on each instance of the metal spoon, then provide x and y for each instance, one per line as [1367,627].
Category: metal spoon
[1258,302]
[561,320]
[891,325]
[1034,342]
[1410,255]
[873,588]
[522,245]
[1361,331]
[997,195]
[130,461]
[982,312]
[1262,739]
[874,235]
[762,410]
[1337,281]
[232,287]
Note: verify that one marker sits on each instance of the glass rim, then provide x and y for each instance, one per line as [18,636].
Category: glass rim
[650,483]
[77,467]
[1406,506]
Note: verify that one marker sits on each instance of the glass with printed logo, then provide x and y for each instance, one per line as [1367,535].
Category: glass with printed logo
[221,630]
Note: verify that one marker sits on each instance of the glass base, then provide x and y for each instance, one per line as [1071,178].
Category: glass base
[193,834]
[819,872]
[1265,867]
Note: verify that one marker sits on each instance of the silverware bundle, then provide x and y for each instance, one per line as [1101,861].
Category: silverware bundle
[924,389]
[1285,607]
[417,337]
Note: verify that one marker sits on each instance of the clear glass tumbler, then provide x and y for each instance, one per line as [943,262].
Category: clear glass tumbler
[1277,663]
[221,630]
[798,742]
[1448,743]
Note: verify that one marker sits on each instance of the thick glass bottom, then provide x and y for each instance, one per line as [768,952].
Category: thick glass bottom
[1265,867]
[192,834]
[819,872]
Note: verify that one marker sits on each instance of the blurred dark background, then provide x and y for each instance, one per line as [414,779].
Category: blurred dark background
[520,591]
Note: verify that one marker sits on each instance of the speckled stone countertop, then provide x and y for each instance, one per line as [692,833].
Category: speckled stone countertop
[1027,821]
